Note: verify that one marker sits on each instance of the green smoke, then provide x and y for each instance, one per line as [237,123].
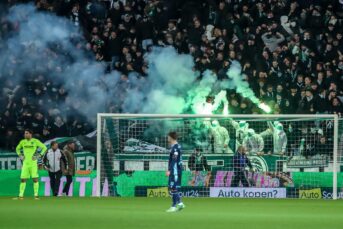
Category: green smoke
[172,87]
[242,87]
[197,95]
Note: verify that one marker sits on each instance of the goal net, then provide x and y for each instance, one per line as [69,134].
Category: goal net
[232,156]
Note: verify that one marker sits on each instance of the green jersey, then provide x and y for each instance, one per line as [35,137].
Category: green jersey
[28,148]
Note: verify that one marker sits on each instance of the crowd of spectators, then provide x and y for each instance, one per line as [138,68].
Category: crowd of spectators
[291,54]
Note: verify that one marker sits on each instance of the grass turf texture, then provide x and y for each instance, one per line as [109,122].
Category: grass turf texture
[127,213]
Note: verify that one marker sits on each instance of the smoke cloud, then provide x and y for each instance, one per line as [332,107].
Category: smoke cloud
[242,87]
[170,77]
[44,44]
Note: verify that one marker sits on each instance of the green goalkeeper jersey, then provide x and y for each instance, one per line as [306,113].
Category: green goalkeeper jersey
[28,148]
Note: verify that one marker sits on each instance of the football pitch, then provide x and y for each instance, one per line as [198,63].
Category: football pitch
[127,213]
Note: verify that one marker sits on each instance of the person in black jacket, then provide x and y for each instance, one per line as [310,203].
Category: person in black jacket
[197,163]
[321,103]
[240,161]
[114,48]
[322,147]
[52,161]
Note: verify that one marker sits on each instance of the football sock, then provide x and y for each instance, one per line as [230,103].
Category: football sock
[22,189]
[35,188]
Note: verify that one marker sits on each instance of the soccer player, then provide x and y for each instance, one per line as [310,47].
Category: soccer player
[27,152]
[174,172]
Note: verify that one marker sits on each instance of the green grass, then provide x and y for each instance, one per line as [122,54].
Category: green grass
[141,213]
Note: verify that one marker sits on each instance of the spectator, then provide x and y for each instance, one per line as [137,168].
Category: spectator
[253,143]
[269,95]
[309,102]
[320,80]
[114,45]
[220,138]
[337,107]
[197,163]
[279,44]
[195,33]
[59,128]
[322,147]
[272,40]
[321,102]
[37,124]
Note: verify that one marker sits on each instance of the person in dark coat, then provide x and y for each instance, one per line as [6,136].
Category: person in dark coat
[240,161]
[68,169]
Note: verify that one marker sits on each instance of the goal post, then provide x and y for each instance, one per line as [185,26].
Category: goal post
[335,158]
[290,156]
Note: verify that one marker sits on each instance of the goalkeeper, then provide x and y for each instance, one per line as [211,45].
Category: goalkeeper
[27,152]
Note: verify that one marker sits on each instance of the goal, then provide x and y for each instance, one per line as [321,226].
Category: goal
[229,156]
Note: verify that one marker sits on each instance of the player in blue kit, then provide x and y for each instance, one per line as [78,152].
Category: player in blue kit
[174,172]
